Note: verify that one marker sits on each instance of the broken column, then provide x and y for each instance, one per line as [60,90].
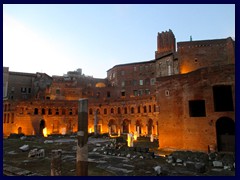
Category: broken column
[56,163]
[82,138]
[151,138]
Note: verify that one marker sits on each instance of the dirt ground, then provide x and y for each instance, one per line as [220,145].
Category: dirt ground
[99,162]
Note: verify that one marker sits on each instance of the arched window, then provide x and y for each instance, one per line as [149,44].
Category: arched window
[12,118]
[125,110]
[57,112]
[112,111]
[139,109]
[4,119]
[90,111]
[105,111]
[132,110]
[7,118]
[36,111]
[144,109]
[119,110]
[43,111]
[150,108]
[98,111]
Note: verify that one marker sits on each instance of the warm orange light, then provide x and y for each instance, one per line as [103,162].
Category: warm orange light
[63,131]
[135,136]
[45,132]
[113,135]
[119,133]
[185,69]
[90,130]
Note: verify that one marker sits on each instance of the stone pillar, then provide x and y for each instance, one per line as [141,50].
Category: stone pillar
[157,129]
[119,132]
[130,140]
[82,138]
[137,131]
[95,122]
[56,163]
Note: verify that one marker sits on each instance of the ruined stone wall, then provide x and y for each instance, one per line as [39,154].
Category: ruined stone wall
[193,55]
[177,129]
[28,115]
[130,111]
[59,114]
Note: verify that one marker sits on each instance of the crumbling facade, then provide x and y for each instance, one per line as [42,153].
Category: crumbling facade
[185,98]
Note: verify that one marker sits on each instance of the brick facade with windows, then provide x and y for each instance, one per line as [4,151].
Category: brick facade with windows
[175,97]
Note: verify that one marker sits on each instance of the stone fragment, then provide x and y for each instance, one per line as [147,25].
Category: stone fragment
[24,147]
[48,141]
[217,164]
[200,167]
[158,170]
[23,137]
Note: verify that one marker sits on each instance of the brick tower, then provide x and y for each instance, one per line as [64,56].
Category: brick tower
[165,43]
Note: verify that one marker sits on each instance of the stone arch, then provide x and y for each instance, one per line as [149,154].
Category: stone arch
[125,126]
[112,125]
[145,109]
[69,126]
[132,110]
[225,129]
[150,127]
[138,127]
[42,125]
[35,111]
[19,130]
[55,128]
[112,110]
[43,111]
[119,110]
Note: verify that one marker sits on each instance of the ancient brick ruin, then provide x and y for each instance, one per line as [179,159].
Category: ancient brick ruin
[185,98]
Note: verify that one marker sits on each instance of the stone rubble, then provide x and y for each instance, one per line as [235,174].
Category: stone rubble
[24,148]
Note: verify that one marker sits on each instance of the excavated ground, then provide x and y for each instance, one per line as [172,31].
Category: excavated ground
[106,157]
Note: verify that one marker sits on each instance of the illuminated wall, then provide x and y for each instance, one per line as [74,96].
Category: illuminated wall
[193,55]
[182,126]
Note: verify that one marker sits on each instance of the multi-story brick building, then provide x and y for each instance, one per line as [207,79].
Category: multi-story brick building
[185,98]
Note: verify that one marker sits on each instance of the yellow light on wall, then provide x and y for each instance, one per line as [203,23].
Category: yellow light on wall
[135,136]
[45,132]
